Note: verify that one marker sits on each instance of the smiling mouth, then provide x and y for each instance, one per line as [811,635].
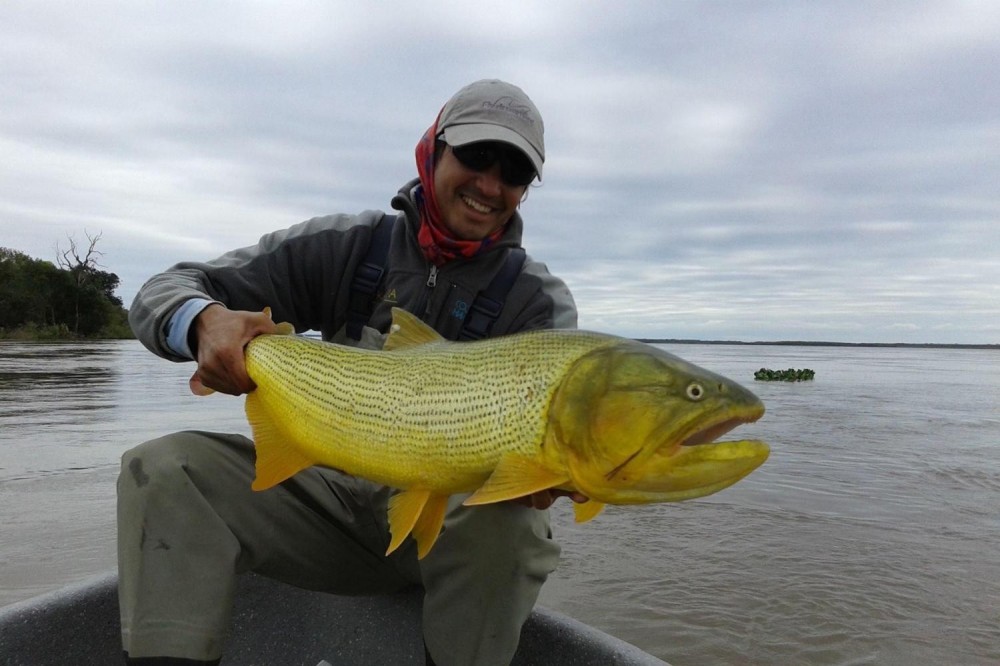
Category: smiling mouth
[476,206]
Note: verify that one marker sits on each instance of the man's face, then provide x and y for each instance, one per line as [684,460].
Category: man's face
[473,204]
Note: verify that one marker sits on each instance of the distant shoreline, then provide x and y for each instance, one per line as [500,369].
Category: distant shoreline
[800,343]
[662,341]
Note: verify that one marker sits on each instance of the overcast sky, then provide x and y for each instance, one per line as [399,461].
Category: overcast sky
[715,170]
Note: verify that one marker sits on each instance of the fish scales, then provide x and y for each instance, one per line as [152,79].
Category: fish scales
[617,420]
[402,417]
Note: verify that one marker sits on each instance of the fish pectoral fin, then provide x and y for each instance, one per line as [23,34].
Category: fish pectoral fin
[516,476]
[277,460]
[587,510]
[419,512]
[408,331]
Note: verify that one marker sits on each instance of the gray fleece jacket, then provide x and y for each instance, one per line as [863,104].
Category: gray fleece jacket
[304,275]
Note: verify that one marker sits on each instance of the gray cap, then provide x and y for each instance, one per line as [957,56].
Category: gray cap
[492,110]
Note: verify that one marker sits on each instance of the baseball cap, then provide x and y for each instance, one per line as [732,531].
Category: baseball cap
[493,110]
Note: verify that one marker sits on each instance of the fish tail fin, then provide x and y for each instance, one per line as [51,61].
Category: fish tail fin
[418,512]
[276,459]
[587,510]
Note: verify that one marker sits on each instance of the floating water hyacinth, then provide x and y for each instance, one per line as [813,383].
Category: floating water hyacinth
[790,375]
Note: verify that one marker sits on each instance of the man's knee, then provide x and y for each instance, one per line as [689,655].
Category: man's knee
[482,579]
[173,458]
[504,535]
[500,522]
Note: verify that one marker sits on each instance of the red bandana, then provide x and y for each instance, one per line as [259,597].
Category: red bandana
[435,241]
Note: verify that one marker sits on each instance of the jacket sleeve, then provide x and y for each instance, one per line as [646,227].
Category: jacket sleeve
[546,302]
[298,272]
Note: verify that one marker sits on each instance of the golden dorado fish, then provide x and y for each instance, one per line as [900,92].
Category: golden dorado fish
[620,421]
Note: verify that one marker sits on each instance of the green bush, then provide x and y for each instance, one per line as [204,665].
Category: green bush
[42,301]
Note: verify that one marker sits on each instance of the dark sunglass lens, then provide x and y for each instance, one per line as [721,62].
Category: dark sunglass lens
[476,156]
[517,169]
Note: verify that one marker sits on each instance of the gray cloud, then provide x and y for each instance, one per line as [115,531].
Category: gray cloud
[821,171]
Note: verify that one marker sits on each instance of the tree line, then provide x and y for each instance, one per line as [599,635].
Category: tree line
[73,298]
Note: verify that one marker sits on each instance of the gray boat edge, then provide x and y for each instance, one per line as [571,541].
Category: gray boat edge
[278,624]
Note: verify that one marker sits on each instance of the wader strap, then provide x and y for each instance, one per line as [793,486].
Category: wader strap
[489,302]
[483,312]
[368,276]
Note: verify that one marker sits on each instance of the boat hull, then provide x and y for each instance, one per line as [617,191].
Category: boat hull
[275,623]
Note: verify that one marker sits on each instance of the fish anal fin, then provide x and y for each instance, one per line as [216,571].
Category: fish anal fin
[277,460]
[516,476]
[429,524]
[404,513]
[588,510]
[408,331]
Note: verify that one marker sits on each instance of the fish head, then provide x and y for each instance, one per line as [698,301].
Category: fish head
[636,424]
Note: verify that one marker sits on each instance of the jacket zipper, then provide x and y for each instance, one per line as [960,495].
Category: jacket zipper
[432,278]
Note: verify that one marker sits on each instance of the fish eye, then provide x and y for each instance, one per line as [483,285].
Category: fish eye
[695,391]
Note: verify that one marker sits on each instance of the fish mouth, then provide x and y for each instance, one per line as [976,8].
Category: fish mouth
[696,466]
[705,435]
[713,431]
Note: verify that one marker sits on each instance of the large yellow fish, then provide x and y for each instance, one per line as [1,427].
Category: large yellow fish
[617,420]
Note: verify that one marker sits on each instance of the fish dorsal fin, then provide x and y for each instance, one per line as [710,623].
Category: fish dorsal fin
[284,328]
[515,476]
[588,510]
[408,331]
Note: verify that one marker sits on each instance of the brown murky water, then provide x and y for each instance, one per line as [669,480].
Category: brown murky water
[871,536]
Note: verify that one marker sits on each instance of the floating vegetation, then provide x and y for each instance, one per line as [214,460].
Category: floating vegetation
[790,375]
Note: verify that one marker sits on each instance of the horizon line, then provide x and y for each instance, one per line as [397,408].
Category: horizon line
[820,343]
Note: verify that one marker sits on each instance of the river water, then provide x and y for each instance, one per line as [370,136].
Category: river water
[871,536]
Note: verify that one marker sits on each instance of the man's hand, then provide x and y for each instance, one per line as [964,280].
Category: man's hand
[221,336]
[543,499]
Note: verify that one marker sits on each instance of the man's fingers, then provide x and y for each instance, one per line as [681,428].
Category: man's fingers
[197,386]
[224,372]
[543,499]
[222,337]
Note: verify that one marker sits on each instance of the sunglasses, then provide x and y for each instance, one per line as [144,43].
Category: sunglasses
[516,169]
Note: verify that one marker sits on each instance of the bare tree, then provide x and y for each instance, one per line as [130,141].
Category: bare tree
[83,268]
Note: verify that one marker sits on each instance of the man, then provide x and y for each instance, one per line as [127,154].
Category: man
[188,522]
